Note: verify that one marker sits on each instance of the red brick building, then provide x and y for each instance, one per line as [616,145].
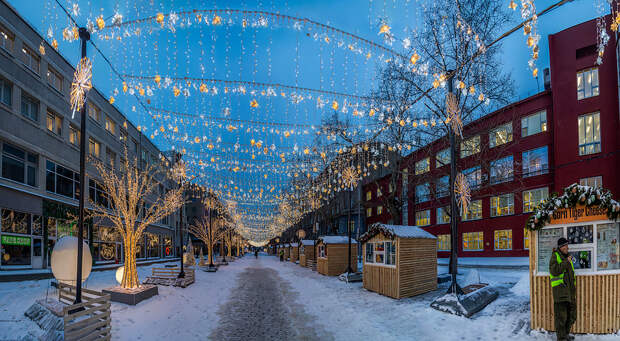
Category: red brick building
[565,134]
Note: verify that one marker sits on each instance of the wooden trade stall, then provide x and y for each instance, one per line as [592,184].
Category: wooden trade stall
[332,255]
[306,252]
[399,261]
[587,217]
[294,252]
[287,251]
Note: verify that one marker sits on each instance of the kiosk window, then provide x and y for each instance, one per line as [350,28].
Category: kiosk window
[607,246]
[547,241]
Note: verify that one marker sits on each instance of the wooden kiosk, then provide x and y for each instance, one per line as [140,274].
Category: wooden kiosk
[399,261]
[287,251]
[306,252]
[294,252]
[587,217]
[332,255]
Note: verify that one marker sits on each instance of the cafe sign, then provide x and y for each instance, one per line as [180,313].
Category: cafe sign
[578,214]
[14,240]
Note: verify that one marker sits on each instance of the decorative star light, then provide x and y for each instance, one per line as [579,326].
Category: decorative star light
[462,191]
[81,84]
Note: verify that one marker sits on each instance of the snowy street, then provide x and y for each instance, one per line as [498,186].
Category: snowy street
[283,301]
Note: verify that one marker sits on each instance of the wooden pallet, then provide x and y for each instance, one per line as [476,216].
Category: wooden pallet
[90,323]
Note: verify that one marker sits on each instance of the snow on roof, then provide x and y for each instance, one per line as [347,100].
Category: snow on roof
[294,244]
[392,231]
[307,242]
[337,240]
[287,245]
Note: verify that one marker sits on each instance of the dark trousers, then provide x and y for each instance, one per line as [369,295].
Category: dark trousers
[565,317]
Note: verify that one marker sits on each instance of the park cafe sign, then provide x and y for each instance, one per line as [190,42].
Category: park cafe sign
[579,213]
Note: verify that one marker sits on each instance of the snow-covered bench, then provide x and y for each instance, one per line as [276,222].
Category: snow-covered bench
[169,276]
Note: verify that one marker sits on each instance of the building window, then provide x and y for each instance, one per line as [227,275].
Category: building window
[587,83]
[442,158]
[368,195]
[533,197]
[381,253]
[422,193]
[503,240]
[31,59]
[54,123]
[379,192]
[369,212]
[500,135]
[474,211]
[473,241]
[96,193]
[535,162]
[502,170]
[94,147]
[470,146]
[423,218]
[74,135]
[369,253]
[54,78]
[474,177]
[94,112]
[502,205]
[595,181]
[379,210]
[390,188]
[61,180]
[589,133]
[110,125]
[19,165]
[110,157]
[443,186]
[443,242]
[322,251]
[526,239]
[122,136]
[534,124]
[7,39]
[6,92]
[422,166]
[30,107]
[443,215]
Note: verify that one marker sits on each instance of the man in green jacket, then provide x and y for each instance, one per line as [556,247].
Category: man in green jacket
[563,283]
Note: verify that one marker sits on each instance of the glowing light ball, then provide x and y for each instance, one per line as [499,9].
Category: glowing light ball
[119,274]
[64,260]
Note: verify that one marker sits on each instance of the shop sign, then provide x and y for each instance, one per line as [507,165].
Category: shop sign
[14,240]
[579,213]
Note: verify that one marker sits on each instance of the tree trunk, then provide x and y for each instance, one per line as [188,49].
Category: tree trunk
[130,275]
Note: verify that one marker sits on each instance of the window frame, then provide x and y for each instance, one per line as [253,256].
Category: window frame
[597,179]
[75,181]
[500,197]
[444,238]
[31,103]
[427,218]
[8,94]
[110,125]
[465,215]
[494,132]
[477,241]
[543,170]
[423,166]
[494,178]
[591,71]
[74,135]
[56,123]
[440,214]
[440,158]
[524,210]
[474,143]
[28,55]
[26,163]
[496,241]
[7,35]
[596,144]
[96,149]
[542,124]
[58,82]
[419,198]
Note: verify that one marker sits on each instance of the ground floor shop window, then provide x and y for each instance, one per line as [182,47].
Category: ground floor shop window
[443,242]
[153,245]
[503,239]
[15,250]
[168,246]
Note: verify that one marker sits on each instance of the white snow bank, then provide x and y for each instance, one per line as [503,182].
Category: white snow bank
[337,240]
[522,288]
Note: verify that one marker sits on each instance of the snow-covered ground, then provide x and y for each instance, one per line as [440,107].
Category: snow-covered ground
[343,311]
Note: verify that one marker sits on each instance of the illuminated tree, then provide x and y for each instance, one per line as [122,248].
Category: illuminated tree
[127,190]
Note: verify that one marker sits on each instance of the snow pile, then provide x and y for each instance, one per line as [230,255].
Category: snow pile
[522,288]
[472,277]
[337,240]
[307,242]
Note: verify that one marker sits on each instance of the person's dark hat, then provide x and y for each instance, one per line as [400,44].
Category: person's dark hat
[562,241]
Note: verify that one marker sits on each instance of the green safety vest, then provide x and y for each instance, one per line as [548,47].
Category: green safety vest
[557,280]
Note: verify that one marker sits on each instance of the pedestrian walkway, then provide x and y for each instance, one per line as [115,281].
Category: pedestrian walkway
[263,307]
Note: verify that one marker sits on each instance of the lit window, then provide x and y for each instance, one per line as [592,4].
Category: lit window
[587,83]
[30,107]
[502,205]
[111,157]
[378,192]
[595,181]
[94,112]
[470,146]
[54,78]
[94,147]
[368,195]
[122,136]
[54,123]
[526,239]
[422,193]
[422,166]
[443,242]
[502,170]
[533,197]
[589,133]
[31,59]
[442,158]
[535,162]
[369,212]
[500,135]
[443,186]
[110,125]
[7,39]
[473,241]
[474,177]
[534,124]
[474,211]
[503,239]
[379,210]
[6,92]
[390,187]
[423,218]
[443,215]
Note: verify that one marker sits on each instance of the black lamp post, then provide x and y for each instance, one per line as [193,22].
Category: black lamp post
[182,272]
[349,268]
[84,37]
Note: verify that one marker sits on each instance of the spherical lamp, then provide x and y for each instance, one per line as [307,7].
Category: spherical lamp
[119,274]
[64,260]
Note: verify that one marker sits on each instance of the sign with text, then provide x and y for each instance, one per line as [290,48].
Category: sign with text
[577,214]
[14,240]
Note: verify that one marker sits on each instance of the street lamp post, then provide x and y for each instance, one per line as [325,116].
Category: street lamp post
[182,272]
[84,37]
[349,268]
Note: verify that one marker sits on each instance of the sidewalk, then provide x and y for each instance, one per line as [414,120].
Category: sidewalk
[489,262]
[36,274]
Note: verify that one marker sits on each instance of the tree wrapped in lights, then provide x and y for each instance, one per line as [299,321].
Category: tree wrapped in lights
[208,228]
[127,189]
